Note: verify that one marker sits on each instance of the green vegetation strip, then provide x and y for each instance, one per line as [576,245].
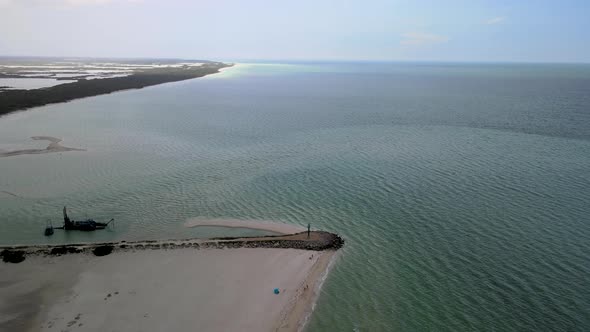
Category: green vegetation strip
[14,100]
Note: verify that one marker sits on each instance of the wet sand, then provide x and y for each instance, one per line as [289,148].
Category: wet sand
[53,146]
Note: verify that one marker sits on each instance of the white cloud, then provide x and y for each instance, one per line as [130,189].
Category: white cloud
[496,20]
[421,39]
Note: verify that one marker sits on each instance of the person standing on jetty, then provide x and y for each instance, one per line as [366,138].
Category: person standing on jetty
[308,229]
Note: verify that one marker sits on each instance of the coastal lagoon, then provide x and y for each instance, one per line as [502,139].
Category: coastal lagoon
[461,189]
[30,83]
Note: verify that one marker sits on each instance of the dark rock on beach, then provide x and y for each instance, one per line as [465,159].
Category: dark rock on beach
[12,256]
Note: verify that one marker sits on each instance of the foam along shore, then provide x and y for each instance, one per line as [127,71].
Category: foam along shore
[53,146]
[189,284]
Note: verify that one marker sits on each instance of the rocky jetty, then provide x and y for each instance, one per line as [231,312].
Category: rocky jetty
[316,241]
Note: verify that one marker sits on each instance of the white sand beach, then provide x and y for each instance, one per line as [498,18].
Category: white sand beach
[182,289]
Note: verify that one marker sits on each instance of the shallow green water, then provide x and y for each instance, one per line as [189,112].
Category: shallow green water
[461,190]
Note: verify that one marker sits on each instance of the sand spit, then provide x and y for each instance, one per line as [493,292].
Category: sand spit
[249,224]
[161,290]
[171,285]
[53,146]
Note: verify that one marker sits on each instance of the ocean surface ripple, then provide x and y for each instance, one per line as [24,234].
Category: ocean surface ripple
[461,191]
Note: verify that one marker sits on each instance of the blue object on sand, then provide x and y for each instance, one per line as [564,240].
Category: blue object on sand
[276,291]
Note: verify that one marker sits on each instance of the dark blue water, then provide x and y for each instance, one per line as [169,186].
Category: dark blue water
[462,189]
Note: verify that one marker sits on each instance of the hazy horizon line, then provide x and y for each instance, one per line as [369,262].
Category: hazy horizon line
[295,60]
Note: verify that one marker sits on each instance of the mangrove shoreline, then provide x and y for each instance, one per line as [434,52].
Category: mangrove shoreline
[15,100]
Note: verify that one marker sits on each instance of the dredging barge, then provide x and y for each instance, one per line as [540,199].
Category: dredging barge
[87,225]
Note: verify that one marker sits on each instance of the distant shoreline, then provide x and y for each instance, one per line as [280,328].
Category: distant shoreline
[17,100]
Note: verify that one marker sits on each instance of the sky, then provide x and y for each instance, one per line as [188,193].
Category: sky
[394,30]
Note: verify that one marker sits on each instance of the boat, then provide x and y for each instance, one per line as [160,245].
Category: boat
[83,225]
[87,225]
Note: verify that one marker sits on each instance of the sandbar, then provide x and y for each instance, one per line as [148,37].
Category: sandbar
[53,146]
[266,225]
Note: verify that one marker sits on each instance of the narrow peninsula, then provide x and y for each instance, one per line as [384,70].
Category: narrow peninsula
[80,82]
[262,283]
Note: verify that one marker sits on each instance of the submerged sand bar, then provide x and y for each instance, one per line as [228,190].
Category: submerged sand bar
[224,284]
[265,225]
[53,146]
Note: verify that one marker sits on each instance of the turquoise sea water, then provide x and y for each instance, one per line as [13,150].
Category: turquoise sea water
[462,190]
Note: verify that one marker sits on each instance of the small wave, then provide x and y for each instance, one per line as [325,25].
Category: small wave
[317,289]
[9,193]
